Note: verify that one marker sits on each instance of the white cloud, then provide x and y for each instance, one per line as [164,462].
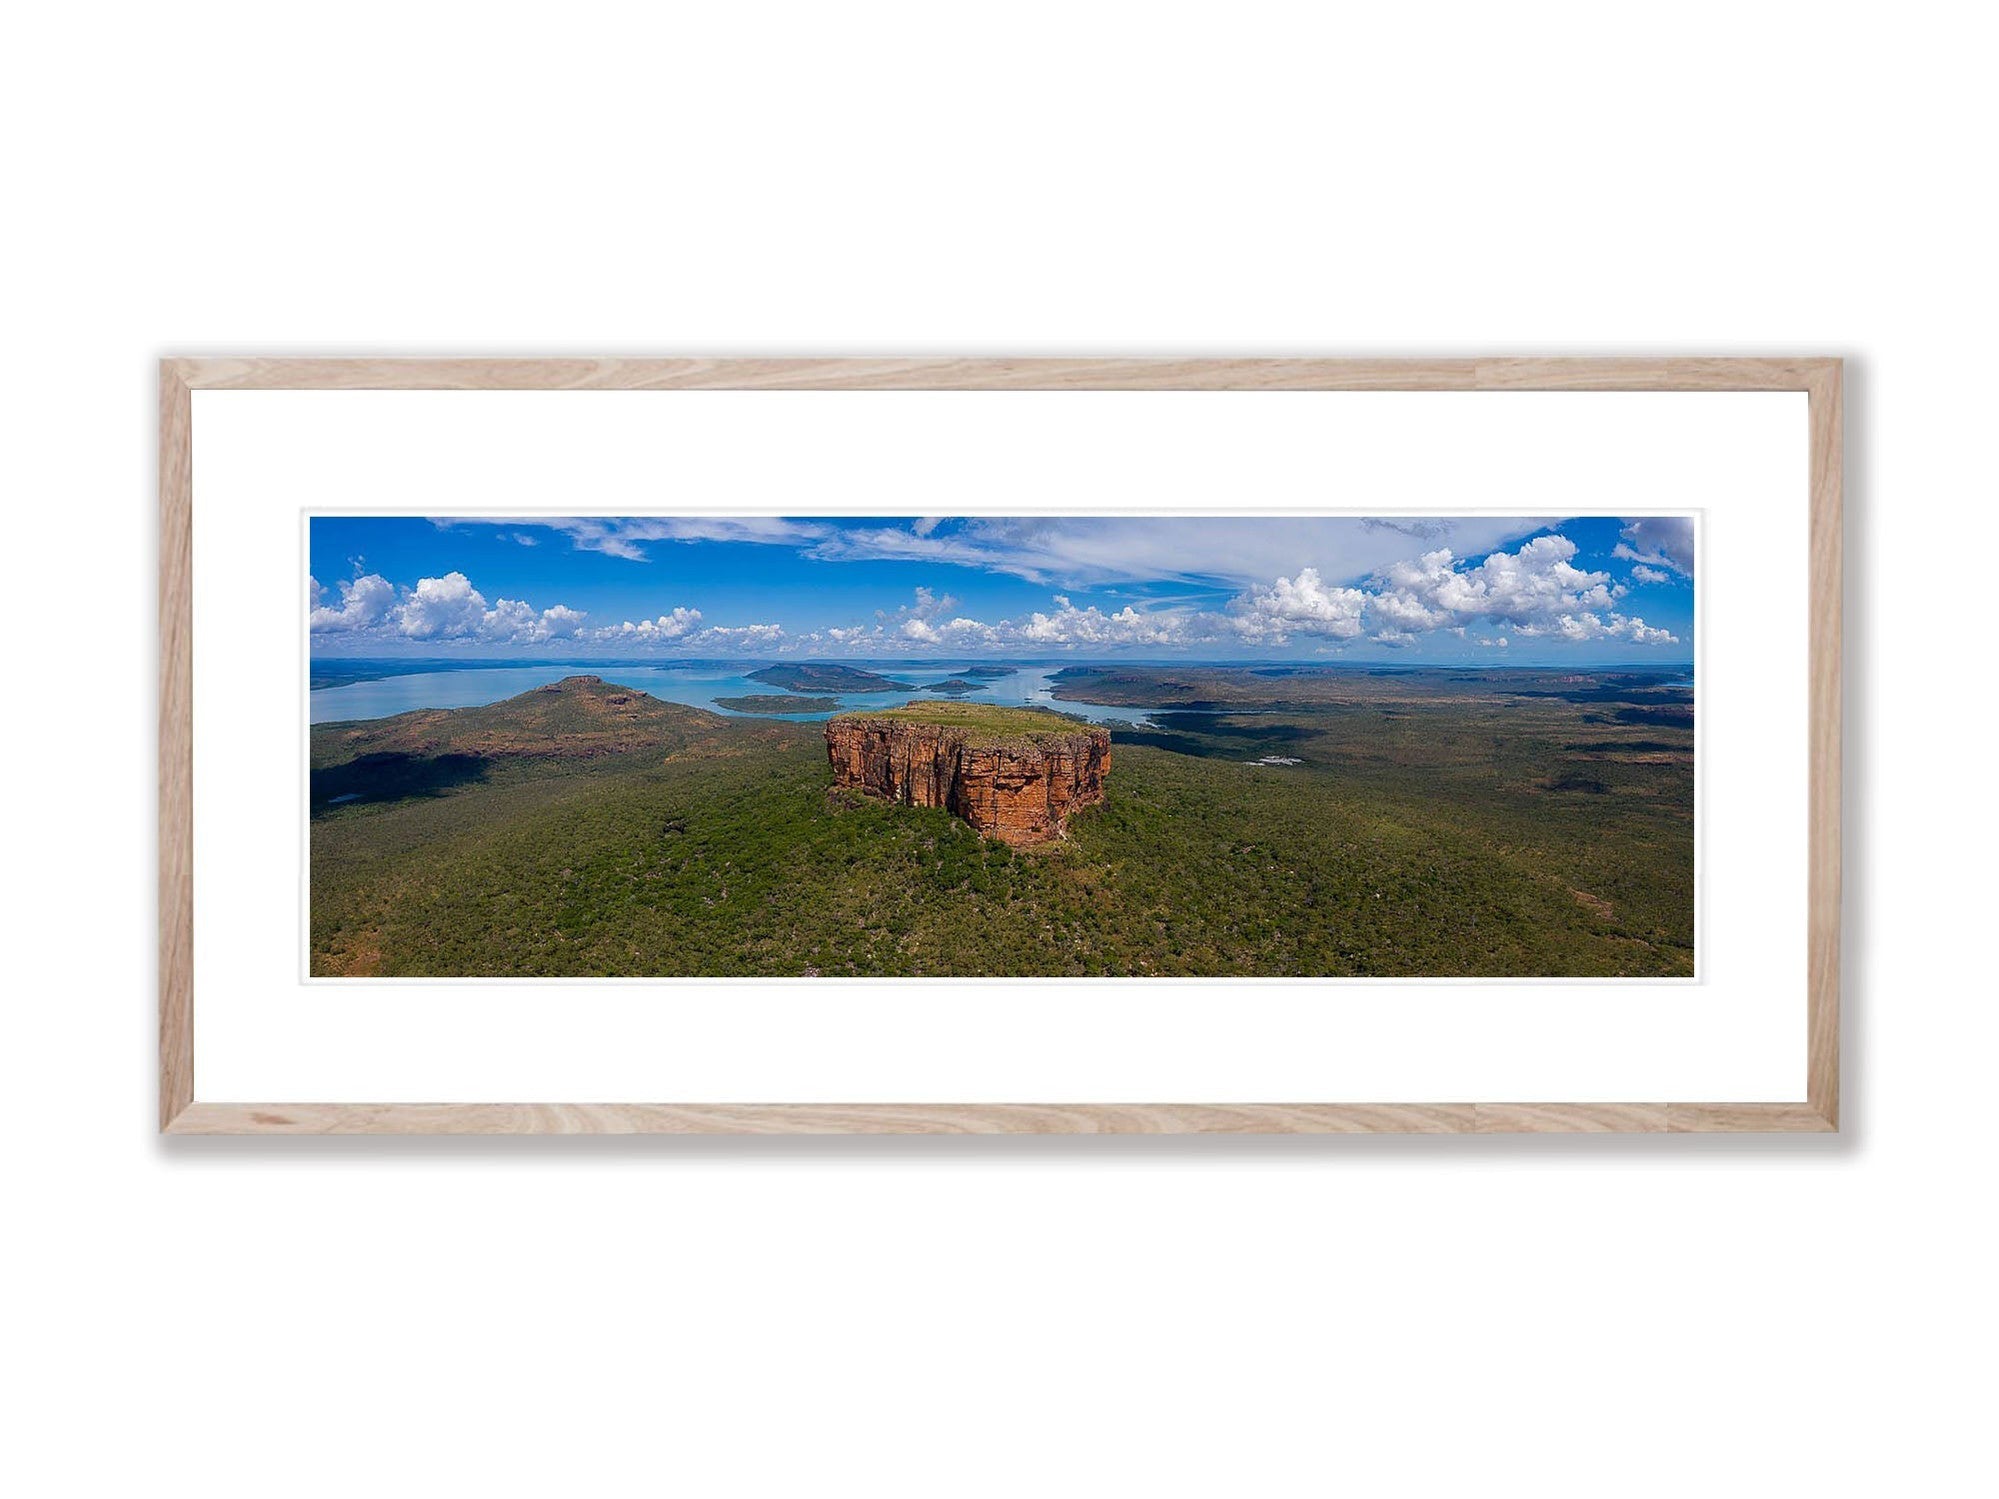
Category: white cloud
[739,637]
[364,603]
[561,622]
[1643,574]
[1069,627]
[1303,606]
[446,609]
[667,627]
[442,608]
[509,620]
[512,622]
[1532,590]
[1580,627]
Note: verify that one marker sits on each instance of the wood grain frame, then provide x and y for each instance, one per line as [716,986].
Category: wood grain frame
[182,1113]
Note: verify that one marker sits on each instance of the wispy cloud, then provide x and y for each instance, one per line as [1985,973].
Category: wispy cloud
[1659,541]
[1068,551]
[630,537]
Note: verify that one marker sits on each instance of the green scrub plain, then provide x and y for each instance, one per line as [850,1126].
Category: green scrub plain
[1269,821]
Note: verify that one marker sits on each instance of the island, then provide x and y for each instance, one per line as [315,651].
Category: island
[778,702]
[956,686]
[1015,774]
[811,676]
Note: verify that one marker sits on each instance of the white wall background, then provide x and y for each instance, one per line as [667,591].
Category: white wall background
[993,1317]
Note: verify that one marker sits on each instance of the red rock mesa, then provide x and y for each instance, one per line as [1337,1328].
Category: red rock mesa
[1014,785]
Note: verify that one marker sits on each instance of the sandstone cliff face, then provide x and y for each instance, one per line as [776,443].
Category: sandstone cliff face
[1018,789]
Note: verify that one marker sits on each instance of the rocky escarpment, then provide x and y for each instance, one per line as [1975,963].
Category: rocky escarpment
[1018,785]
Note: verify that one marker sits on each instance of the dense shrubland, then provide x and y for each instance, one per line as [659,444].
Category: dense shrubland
[1460,836]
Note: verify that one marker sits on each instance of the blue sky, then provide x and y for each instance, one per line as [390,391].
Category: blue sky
[1482,589]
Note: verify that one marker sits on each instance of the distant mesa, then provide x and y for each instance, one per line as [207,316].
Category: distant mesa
[990,673]
[579,717]
[807,676]
[956,686]
[1015,774]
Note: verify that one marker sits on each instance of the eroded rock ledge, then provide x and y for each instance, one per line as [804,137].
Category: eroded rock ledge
[1018,785]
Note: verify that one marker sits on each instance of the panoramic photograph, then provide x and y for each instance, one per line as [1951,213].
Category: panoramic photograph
[1394,746]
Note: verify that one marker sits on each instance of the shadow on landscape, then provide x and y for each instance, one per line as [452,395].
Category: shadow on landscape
[1178,744]
[1212,740]
[393,777]
[1193,723]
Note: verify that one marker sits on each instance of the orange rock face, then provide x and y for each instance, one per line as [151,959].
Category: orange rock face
[1019,790]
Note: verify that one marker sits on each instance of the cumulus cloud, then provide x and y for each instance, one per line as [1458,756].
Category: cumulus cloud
[1534,591]
[1303,605]
[682,630]
[1659,541]
[667,627]
[561,622]
[364,603]
[1580,627]
[446,609]
[1069,626]
[745,637]
[1643,574]
[512,622]
[440,608]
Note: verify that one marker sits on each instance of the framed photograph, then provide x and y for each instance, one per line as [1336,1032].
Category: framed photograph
[1059,746]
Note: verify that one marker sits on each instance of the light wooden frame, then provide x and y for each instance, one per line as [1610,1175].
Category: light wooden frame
[182,1113]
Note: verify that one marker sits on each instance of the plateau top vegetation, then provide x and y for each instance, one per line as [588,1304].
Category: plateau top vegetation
[981,723]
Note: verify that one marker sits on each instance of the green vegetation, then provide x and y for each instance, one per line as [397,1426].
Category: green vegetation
[778,703]
[955,685]
[808,676]
[1452,831]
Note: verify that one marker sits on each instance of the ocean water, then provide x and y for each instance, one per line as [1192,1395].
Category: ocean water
[697,687]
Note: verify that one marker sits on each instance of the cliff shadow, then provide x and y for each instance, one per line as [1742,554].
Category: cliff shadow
[1228,728]
[392,777]
[1177,744]
[1204,738]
